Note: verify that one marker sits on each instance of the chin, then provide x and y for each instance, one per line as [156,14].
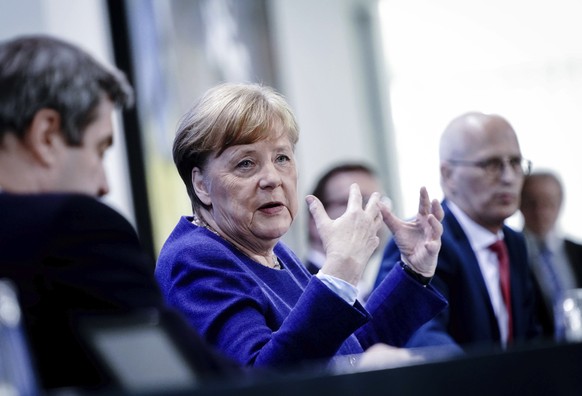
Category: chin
[504,215]
[276,231]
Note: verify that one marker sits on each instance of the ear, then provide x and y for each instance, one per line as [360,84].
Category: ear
[44,135]
[200,187]
[446,174]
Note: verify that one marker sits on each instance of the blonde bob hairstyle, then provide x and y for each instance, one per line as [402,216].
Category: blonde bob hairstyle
[227,115]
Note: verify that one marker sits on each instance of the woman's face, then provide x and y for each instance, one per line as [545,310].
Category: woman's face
[252,191]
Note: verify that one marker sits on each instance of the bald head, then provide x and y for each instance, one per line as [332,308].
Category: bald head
[468,131]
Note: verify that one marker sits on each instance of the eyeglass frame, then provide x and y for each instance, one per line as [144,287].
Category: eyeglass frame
[494,166]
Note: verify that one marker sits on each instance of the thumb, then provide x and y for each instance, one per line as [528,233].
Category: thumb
[317,210]
[389,218]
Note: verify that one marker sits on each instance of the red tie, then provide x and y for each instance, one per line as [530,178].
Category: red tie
[500,249]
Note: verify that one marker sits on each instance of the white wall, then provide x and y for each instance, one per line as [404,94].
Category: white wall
[318,50]
[517,58]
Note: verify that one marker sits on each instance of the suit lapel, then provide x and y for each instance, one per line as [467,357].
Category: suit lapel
[465,252]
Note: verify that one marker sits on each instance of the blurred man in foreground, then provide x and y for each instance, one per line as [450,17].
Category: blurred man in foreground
[70,257]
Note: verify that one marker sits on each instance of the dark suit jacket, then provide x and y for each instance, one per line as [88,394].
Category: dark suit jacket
[546,315]
[70,257]
[574,253]
[469,320]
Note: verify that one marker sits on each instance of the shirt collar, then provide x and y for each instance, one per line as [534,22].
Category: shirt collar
[479,237]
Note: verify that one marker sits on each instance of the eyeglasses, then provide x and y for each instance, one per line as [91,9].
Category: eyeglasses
[493,167]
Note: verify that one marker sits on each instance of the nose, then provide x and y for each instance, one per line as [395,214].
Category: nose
[269,177]
[103,184]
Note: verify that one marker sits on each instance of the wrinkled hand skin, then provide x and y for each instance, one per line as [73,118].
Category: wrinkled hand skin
[419,240]
[349,240]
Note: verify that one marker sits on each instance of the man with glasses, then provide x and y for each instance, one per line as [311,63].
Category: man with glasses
[483,266]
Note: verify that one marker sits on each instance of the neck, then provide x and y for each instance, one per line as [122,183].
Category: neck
[265,257]
[19,173]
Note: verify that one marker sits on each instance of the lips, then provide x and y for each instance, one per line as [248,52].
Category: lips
[271,207]
[506,198]
[507,194]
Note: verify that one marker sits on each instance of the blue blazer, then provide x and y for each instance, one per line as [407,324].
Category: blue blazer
[469,319]
[70,256]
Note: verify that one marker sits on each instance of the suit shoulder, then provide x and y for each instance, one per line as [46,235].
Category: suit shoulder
[513,236]
[76,213]
[83,208]
[573,244]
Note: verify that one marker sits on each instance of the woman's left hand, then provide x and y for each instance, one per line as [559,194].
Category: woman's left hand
[419,240]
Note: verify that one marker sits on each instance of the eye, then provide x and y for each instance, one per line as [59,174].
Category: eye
[493,164]
[515,162]
[282,158]
[245,164]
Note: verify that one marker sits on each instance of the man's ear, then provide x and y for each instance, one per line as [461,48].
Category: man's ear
[200,187]
[44,135]
[446,172]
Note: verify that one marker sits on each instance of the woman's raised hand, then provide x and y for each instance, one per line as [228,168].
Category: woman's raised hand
[349,240]
[419,240]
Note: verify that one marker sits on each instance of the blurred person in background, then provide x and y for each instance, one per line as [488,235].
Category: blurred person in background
[556,260]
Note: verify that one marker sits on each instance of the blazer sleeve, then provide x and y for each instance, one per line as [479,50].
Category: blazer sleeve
[433,330]
[399,306]
[231,310]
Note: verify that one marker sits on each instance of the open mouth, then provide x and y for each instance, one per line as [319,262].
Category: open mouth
[270,205]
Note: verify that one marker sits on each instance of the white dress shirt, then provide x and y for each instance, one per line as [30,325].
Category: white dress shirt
[480,240]
[366,284]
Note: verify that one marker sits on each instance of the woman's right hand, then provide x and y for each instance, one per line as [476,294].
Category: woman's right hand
[349,240]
